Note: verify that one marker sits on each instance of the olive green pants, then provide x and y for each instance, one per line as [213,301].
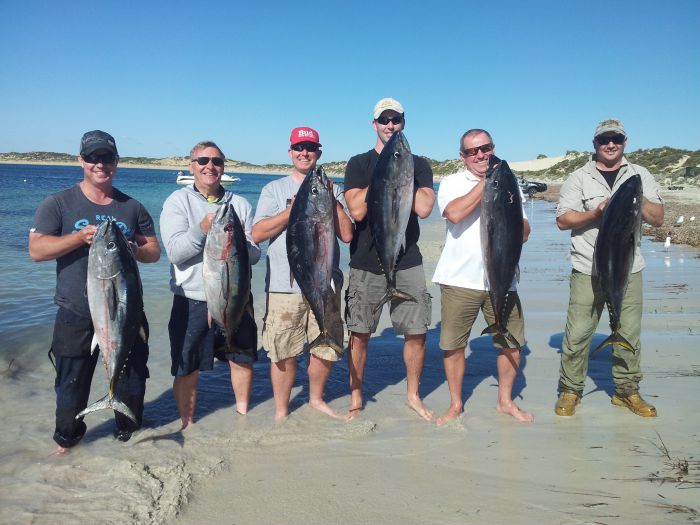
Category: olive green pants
[586,303]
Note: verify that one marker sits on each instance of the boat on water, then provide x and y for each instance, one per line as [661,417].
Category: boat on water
[186,179]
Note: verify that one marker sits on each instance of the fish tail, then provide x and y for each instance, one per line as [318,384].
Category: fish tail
[495,328]
[391,294]
[111,403]
[615,339]
[326,340]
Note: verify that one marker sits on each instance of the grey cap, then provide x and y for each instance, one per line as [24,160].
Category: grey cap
[611,125]
[96,140]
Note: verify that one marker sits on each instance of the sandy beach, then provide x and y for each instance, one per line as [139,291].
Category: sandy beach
[604,465]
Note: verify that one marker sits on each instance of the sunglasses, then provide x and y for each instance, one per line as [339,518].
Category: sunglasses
[203,161]
[104,158]
[310,147]
[604,140]
[394,120]
[485,148]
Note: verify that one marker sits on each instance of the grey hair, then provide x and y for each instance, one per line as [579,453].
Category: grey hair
[475,131]
[206,144]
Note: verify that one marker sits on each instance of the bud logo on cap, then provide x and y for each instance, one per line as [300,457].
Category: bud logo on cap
[304,134]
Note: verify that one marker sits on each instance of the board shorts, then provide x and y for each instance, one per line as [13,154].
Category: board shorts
[459,308]
[365,291]
[194,344]
[290,325]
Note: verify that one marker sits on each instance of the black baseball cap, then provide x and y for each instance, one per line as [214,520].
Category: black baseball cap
[96,140]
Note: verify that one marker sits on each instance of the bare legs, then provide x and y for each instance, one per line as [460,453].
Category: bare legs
[242,383]
[282,374]
[413,355]
[185,392]
[318,371]
[507,363]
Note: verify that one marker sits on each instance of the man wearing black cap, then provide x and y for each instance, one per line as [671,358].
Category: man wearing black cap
[63,228]
[582,200]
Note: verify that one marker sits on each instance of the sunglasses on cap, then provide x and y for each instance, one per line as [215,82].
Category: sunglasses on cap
[308,146]
[203,161]
[104,158]
[604,140]
[394,120]
[484,148]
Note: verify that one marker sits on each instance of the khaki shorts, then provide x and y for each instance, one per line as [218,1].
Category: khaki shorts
[290,325]
[459,308]
[366,289]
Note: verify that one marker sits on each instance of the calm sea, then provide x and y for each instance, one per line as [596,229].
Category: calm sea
[26,294]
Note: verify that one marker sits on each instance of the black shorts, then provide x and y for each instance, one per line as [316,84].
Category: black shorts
[193,343]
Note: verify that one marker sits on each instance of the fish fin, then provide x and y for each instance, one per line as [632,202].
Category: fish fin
[615,339]
[291,278]
[108,403]
[333,285]
[93,345]
[517,273]
[326,340]
[390,295]
[113,300]
[508,338]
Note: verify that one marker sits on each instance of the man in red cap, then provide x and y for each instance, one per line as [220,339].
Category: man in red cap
[289,322]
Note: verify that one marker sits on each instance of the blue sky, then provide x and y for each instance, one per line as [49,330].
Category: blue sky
[162,75]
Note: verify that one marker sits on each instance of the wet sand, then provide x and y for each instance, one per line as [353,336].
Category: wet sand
[603,465]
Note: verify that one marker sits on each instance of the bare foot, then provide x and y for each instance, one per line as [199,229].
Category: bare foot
[281,417]
[512,409]
[353,412]
[417,405]
[324,408]
[242,409]
[189,423]
[451,414]
[60,451]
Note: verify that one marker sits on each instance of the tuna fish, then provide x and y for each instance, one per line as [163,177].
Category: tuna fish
[312,253]
[618,237]
[115,297]
[501,242]
[226,271]
[389,203]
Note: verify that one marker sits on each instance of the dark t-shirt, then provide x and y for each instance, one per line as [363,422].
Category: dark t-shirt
[609,176]
[363,255]
[67,212]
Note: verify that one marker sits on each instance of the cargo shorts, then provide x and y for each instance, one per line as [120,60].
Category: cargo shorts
[459,309]
[290,325]
[366,289]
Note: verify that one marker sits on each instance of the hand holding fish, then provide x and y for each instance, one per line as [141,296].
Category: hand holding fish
[205,224]
[87,234]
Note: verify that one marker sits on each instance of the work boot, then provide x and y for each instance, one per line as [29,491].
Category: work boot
[566,404]
[635,403]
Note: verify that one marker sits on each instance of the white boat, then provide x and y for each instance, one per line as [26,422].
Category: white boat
[187,179]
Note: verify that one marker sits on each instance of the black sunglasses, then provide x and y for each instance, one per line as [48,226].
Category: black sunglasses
[104,158]
[604,140]
[203,161]
[308,146]
[485,148]
[394,120]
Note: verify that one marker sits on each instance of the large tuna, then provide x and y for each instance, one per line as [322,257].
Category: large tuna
[389,203]
[618,237]
[312,254]
[226,271]
[115,297]
[501,241]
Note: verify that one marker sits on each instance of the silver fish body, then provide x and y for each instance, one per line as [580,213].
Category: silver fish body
[618,237]
[312,252]
[389,204]
[115,297]
[501,241]
[226,271]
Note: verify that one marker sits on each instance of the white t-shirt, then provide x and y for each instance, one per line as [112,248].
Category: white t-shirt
[461,262]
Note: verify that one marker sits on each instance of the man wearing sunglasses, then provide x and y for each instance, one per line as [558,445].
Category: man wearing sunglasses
[185,220]
[582,200]
[367,283]
[289,322]
[63,229]
[460,273]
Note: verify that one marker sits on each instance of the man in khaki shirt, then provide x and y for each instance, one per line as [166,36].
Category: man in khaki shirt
[582,200]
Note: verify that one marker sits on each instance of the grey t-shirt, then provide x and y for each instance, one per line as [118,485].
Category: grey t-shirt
[273,200]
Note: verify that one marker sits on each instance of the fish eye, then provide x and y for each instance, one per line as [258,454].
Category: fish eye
[314,191]
[111,245]
[397,154]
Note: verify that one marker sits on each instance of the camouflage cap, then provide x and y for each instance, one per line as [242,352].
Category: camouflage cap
[611,125]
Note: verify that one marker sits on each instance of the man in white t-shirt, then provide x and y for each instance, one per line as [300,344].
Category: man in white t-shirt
[463,288]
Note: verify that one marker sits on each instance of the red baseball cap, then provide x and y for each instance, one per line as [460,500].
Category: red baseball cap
[303,134]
